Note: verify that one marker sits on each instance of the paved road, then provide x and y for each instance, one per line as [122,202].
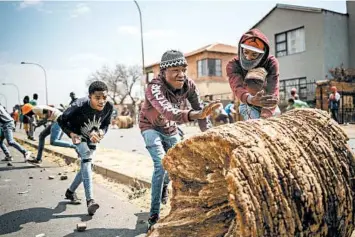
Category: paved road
[129,140]
[43,209]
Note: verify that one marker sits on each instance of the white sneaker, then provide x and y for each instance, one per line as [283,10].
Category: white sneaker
[27,155]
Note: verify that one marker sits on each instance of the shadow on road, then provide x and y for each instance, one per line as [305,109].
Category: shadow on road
[141,228]
[12,221]
[6,168]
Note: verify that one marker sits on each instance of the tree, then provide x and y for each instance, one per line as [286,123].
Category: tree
[120,81]
[343,74]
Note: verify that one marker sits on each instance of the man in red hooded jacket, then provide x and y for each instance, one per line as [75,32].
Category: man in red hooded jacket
[254,53]
[160,115]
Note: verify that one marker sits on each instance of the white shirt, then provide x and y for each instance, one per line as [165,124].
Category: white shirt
[44,111]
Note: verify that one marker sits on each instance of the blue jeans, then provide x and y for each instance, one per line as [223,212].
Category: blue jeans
[7,133]
[56,132]
[158,144]
[252,112]
[85,173]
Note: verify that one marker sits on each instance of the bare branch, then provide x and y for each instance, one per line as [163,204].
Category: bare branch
[120,81]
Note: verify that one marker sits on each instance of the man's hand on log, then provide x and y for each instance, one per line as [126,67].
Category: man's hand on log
[261,100]
[206,111]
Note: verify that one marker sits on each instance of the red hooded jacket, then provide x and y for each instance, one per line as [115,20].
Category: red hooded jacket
[237,74]
[162,111]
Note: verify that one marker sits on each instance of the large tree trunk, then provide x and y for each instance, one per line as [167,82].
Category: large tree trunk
[286,176]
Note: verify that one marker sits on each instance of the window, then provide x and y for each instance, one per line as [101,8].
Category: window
[209,67]
[290,42]
[303,87]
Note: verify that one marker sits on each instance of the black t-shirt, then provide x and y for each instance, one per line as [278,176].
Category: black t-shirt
[82,119]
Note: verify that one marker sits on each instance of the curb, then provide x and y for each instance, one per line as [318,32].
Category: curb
[106,172]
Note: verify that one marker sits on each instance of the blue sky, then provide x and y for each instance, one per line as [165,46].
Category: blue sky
[73,39]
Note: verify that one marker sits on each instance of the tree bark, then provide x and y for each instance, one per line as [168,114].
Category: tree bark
[286,176]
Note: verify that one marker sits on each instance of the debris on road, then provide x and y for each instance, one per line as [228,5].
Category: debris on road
[24,192]
[81,227]
[9,164]
[283,176]
[51,177]
[59,173]
[30,177]
[63,177]
[41,235]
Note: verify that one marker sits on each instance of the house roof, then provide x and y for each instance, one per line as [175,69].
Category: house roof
[296,8]
[216,47]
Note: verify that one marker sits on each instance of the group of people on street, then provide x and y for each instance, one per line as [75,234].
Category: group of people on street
[253,78]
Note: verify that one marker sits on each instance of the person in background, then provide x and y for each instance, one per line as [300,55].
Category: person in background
[292,104]
[47,114]
[125,111]
[15,116]
[255,53]
[72,97]
[34,100]
[221,115]
[230,111]
[294,94]
[27,120]
[7,125]
[160,116]
[334,101]
[86,122]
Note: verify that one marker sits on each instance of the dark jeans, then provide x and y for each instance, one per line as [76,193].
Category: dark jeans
[335,113]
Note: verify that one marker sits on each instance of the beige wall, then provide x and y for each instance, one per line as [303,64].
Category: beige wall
[306,64]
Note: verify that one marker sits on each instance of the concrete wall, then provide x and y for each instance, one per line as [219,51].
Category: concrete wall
[305,64]
[350,5]
[336,43]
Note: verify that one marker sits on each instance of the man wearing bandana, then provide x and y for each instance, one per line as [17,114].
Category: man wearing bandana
[255,53]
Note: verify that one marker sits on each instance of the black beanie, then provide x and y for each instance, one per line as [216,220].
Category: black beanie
[172,58]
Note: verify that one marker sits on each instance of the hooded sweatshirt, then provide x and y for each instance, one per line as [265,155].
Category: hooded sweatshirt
[5,117]
[236,73]
[161,108]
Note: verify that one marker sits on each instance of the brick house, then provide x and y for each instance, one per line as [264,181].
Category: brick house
[207,68]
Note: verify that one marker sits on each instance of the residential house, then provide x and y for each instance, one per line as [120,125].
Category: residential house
[308,42]
[206,66]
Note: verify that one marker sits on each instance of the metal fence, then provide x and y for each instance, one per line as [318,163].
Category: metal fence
[306,90]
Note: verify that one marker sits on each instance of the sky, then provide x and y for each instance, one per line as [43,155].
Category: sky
[73,39]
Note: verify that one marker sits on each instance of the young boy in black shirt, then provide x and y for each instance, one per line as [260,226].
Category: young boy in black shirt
[86,123]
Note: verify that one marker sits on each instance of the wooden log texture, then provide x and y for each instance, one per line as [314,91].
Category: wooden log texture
[124,122]
[286,176]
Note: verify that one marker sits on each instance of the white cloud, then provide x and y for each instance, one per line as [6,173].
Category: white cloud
[81,9]
[37,4]
[28,3]
[150,34]
[130,30]
[87,60]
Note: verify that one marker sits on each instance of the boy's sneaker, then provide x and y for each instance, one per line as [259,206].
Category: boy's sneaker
[164,195]
[153,219]
[27,156]
[7,158]
[35,161]
[72,197]
[92,207]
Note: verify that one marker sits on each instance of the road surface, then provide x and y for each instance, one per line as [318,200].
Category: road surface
[41,207]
